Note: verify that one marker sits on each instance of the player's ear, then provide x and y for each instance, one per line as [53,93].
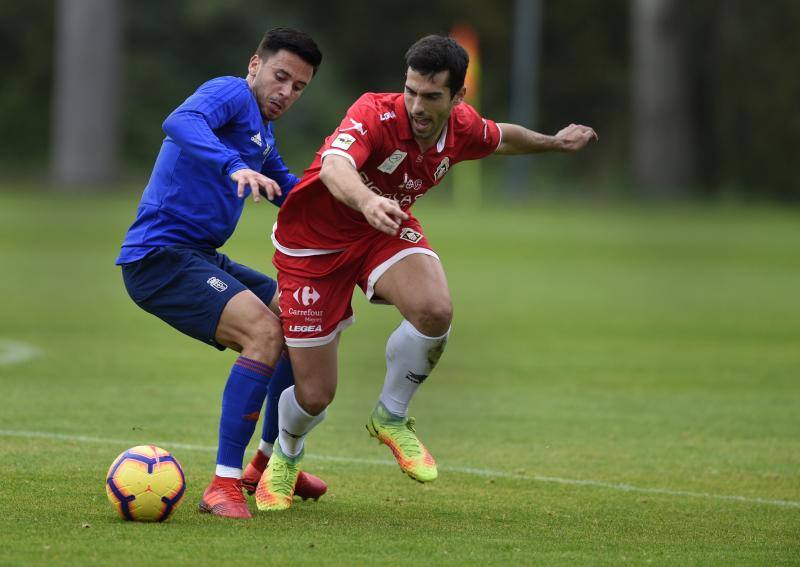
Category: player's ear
[253,66]
[459,98]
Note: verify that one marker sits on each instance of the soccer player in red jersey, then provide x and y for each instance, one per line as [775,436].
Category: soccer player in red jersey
[348,222]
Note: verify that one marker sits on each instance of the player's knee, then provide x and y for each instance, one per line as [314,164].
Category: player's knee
[267,331]
[314,400]
[264,335]
[434,317]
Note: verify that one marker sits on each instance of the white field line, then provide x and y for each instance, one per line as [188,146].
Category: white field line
[464,470]
[14,352]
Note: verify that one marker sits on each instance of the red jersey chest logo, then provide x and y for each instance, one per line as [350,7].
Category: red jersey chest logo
[404,175]
[410,184]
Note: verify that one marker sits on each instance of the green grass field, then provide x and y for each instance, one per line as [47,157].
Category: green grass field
[622,386]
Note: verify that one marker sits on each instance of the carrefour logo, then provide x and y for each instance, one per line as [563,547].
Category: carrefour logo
[306,295]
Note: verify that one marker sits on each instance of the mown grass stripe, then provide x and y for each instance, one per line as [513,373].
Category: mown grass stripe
[463,470]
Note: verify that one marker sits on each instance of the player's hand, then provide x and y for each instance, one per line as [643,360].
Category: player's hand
[259,184]
[574,137]
[383,214]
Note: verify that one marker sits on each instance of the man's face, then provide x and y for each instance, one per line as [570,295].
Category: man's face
[278,81]
[429,103]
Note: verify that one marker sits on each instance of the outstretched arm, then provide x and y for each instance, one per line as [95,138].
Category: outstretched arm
[344,183]
[519,140]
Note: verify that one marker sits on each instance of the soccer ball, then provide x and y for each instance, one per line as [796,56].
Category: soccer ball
[145,483]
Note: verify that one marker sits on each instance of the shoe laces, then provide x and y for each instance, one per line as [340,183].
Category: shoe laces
[406,436]
[283,476]
[233,490]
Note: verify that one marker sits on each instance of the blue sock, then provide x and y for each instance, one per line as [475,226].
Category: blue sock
[241,404]
[281,379]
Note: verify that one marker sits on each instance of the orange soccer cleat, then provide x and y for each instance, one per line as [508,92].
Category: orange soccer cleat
[308,485]
[276,487]
[398,433]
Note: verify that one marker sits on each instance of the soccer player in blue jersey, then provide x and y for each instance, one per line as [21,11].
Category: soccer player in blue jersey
[220,148]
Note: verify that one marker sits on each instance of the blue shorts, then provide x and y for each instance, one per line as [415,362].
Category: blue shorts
[188,288]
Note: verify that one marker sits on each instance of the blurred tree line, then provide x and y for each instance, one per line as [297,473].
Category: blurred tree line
[737,60]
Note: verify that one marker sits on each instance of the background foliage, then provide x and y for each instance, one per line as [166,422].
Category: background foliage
[742,60]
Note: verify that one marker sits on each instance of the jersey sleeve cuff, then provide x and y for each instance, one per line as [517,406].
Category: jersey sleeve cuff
[234,165]
[339,153]
[499,136]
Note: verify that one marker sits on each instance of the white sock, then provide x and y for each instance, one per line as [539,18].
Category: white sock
[410,358]
[294,423]
[265,447]
[228,472]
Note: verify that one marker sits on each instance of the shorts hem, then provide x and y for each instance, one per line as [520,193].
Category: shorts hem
[381,269]
[212,334]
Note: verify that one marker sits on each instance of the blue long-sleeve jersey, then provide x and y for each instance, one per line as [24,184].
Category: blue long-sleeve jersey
[190,199]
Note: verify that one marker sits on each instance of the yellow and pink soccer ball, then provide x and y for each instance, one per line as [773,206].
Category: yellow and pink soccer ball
[146,484]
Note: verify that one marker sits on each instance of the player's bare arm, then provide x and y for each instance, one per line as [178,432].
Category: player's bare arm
[344,183]
[257,182]
[519,140]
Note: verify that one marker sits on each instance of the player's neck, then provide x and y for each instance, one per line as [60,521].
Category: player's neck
[427,143]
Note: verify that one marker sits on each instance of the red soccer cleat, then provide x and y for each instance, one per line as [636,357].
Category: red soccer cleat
[254,470]
[224,497]
[307,486]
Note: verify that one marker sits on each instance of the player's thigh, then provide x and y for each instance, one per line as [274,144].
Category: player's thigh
[315,374]
[262,285]
[184,288]
[417,286]
[246,322]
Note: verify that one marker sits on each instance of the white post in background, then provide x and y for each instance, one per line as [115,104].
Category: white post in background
[525,58]
[662,151]
[85,111]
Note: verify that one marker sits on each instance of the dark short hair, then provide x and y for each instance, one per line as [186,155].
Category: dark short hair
[292,40]
[435,53]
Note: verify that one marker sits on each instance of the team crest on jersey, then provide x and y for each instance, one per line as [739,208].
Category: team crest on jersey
[410,235]
[256,138]
[391,162]
[343,141]
[217,284]
[441,169]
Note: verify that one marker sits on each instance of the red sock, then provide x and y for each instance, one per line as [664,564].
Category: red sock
[260,461]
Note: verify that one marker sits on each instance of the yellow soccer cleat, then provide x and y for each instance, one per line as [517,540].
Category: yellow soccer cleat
[399,435]
[276,486]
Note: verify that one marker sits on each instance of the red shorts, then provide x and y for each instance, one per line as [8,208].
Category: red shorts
[316,291]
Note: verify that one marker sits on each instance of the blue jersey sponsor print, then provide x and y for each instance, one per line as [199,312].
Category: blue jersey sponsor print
[190,199]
